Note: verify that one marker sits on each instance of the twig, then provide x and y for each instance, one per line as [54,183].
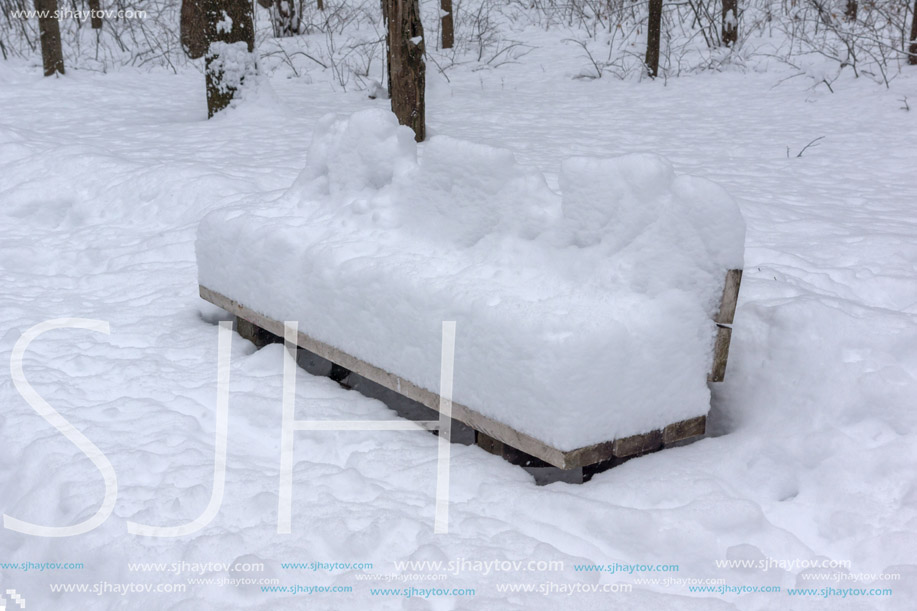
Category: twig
[811,144]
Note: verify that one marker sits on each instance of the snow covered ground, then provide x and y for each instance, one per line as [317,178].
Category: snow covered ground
[813,444]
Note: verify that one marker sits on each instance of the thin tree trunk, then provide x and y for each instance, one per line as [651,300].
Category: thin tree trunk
[222,87]
[408,70]
[321,5]
[912,57]
[730,22]
[285,20]
[653,36]
[210,29]
[95,14]
[52,55]
[447,28]
[386,13]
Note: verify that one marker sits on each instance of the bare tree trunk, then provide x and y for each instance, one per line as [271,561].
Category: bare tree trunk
[851,10]
[286,22]
[408,70]
[730,22]
[447,28]
[212,29]
[52,55]
[386,11]
[912,57]
[95,14]
[653,36]
[321,5]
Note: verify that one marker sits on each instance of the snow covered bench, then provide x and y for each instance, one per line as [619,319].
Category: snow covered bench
[586,322]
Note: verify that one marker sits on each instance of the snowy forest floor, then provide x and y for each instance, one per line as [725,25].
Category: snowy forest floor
[812,451]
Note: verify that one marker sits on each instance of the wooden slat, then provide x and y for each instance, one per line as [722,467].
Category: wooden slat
[635,445]
[724,320]
[730,297]
[589,455]
[720,354]
[684,430]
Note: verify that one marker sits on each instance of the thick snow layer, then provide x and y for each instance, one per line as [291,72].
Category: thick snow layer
[812,454]
[580,318]
[233,62]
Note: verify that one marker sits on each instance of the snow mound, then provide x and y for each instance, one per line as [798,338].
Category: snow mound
[581,317]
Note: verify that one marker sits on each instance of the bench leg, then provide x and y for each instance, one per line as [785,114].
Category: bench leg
[339,374]
[543,472]
[255,334]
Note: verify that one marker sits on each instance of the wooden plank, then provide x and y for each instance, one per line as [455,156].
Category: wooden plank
[724,320]
[684,430]
[720,354]
[730,297]
[635,445]
[589,455]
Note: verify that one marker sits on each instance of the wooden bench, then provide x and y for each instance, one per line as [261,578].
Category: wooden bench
[546,463]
